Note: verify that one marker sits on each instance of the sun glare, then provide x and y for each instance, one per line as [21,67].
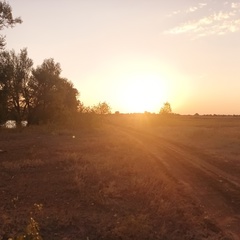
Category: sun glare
[136,86]
[143,92]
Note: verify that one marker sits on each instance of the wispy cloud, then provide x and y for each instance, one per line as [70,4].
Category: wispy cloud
[220,20]
[190,9]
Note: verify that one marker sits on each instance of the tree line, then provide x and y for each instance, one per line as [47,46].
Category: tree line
[34,94]
[40,94]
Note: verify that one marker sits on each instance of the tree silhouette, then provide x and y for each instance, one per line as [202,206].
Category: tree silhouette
[37,95]
[53,97]
[6,20]
[102,108]
[15,71]
[166,109]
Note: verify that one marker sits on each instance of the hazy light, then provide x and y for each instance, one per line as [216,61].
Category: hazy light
[143,92]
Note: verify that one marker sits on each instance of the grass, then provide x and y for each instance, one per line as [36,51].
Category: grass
[122,183]
[219,135]
[99,185]
[24,164]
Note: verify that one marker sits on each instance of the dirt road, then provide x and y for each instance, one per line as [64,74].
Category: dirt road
[200,175]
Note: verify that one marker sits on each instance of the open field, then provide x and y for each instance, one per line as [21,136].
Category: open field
[133,177]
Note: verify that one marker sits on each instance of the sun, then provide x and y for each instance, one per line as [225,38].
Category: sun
[143,92]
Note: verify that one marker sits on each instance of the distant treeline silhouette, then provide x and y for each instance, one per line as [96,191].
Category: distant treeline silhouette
[38,95]
[34,94]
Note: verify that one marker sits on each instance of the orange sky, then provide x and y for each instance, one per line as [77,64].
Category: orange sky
[135,55]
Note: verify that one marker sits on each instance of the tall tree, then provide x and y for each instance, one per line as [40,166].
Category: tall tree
[5,70]
[6,20]
[53,97]
[37,95]
[15,71]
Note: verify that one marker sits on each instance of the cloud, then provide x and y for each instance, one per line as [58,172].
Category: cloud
[220,20]
[190,9]
[235,5]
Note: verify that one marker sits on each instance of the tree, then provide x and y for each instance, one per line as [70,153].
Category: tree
[4,65]
[15,71]
[82,109]
[166,109]
[102,108]
[36,95]
[6,20]
[53,97]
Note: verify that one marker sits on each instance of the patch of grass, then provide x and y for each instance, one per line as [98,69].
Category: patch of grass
[32,229]
[131,196]
[22,164]
[32,232]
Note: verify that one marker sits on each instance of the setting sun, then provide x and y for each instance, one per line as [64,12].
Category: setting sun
[143,92]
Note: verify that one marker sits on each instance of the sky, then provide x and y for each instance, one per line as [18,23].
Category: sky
[137,54]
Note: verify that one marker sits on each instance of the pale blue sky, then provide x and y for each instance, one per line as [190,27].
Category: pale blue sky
[137,54]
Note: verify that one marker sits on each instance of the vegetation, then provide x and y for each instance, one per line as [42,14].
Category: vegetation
[6,20]
[31,232]
[102,108]
[99,184]
[36,95]
[166,109]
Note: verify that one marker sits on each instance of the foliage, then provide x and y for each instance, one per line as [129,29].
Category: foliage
[84,109]
[37,95]
[102,108]
[6,20]
[15,70]
[31,232]
[54,98]
[166,109]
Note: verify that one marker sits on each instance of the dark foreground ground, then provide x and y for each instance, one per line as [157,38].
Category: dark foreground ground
[118,182]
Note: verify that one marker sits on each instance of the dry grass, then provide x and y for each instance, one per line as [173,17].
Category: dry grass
[219,137]
[23,164]
[99,185]
[134,198]
[215,136]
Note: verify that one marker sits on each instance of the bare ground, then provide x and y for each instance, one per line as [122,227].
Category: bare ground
[114,183]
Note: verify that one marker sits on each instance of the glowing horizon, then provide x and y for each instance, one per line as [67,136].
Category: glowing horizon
[184,53]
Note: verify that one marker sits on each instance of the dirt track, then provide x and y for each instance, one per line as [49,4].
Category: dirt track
[200,175]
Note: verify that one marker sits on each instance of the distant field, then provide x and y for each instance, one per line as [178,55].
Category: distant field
[124,179]
[219,136]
